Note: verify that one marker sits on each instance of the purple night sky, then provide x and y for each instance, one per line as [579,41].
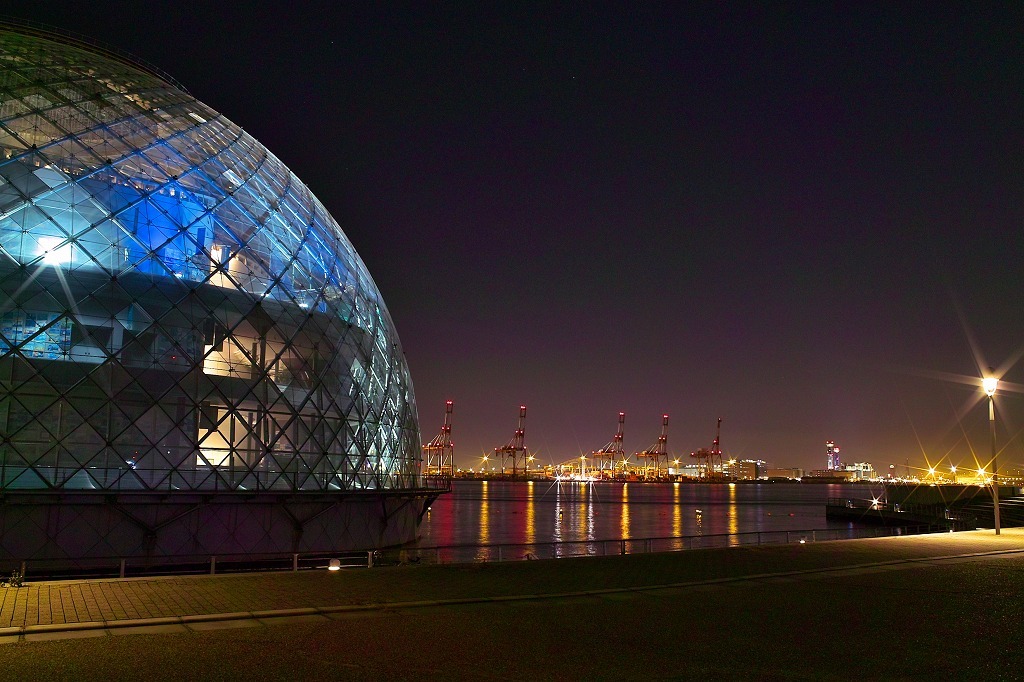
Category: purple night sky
[794,217]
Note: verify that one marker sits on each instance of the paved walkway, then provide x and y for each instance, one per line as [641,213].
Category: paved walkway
[70,608]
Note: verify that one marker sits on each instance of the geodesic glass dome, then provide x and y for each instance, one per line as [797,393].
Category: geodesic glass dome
[177,310]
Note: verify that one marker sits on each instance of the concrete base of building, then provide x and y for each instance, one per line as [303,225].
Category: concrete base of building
[78,529]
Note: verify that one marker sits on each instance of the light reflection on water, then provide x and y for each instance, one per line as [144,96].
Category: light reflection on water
[734,517]
[624,524]
[485,513]
[677,512]
[505,512]
[531,520]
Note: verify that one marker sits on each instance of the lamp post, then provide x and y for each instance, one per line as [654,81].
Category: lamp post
[990,384]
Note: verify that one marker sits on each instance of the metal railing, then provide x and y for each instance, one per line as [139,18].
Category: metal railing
[116,567]
[112,567]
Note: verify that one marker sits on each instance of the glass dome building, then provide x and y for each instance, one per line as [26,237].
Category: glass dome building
[179,315]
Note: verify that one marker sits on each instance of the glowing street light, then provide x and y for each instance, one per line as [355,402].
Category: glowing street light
[990,384]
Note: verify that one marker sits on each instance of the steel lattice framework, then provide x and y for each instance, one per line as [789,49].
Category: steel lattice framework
[178,312]
[612,453]
[656,452]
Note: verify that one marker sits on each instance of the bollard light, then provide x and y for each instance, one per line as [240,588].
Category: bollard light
[334,565]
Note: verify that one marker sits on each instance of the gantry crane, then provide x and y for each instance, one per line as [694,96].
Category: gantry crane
[656,452]
[707,460]
[516,447]
[439,453]
[612,453]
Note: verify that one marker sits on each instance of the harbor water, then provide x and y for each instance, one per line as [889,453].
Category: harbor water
[537,512]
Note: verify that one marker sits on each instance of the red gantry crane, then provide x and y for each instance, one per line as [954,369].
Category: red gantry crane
[612,453]
[439,453]
[708,459]
[516,447]
[656,452]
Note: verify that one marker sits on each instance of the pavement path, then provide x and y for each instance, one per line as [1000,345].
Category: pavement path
[924,608]
[49,610]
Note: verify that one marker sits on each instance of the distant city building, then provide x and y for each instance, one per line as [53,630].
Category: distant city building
[687,471]
[1011,474]
[831,473]
[832,455]
[784,473]
[862,471]
[745,469]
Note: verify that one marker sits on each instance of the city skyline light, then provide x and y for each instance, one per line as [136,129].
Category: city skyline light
[802,219]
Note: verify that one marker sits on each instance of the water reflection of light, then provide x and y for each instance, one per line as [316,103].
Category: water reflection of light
[530,530]
[677,512]
[556,535]
[485,527]
[734,521]
[584,510]
[624,525]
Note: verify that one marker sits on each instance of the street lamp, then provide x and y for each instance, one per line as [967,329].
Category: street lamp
[990,384]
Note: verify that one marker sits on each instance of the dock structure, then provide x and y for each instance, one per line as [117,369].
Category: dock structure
[439,453]
[515,449]
[709,461]
[612,456]
[654,455]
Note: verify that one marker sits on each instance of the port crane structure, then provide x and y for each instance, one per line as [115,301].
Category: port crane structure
[607,463]
[656,452]
[439,453]
[612,454]
[709,462]
[515,449]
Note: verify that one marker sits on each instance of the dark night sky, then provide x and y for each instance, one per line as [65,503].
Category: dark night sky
[772,215]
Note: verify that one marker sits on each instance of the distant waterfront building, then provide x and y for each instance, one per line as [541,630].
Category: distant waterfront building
[1011,475]
[784,473]
[686,471]
[832,456]
[831,473]
[862,471]
[746,469]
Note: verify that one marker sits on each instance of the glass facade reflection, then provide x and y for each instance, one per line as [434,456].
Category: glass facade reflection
[177,310]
